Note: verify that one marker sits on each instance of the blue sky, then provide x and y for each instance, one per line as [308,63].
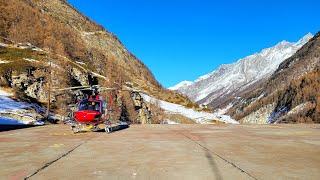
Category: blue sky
[184,39]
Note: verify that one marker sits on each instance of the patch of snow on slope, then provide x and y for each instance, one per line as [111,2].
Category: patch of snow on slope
[10,106]
[30,60]
[3,61]
[224,110]
[3,45]
[82,63]
[167,121]
[199,117]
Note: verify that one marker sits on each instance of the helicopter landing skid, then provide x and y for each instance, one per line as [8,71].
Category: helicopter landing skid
[116,127]
[109,128]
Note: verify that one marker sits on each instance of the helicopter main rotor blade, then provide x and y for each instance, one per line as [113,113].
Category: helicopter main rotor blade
[99,88]
[72,88]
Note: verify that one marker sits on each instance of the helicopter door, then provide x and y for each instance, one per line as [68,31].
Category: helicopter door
[104,107]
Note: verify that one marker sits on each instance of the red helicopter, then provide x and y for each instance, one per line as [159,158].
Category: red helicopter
[93,113]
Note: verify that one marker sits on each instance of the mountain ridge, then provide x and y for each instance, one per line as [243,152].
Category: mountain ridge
[290,95]
[207,88]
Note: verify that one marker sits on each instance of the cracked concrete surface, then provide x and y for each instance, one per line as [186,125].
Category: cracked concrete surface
[163,152]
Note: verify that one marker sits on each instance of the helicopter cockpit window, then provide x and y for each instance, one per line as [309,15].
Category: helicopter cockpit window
[86,105]
[83,105]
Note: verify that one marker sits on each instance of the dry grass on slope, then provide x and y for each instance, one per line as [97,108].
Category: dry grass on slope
[21,22]
[17,59]
[302,90]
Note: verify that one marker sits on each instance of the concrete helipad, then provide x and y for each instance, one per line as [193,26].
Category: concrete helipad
[163,152]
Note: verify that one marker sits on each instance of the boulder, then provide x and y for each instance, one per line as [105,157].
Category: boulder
[144,112]
[81,77]
[20,81]
[39,92]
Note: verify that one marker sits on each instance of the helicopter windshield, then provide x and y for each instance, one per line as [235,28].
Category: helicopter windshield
[89,105]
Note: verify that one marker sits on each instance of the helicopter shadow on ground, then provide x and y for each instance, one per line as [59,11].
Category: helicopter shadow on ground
[120,128]
[9,127]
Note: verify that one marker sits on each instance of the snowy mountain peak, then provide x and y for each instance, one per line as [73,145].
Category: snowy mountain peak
[181,84]
[284,42]
[305,39]
[230,78]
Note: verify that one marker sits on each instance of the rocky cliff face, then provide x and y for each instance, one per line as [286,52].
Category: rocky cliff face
[225,83]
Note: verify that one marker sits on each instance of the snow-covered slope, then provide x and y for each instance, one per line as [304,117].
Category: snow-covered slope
[198,117]
[229,78]
[26,113]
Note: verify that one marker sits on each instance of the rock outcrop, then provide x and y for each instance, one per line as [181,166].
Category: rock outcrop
[261,116]
[143,109]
